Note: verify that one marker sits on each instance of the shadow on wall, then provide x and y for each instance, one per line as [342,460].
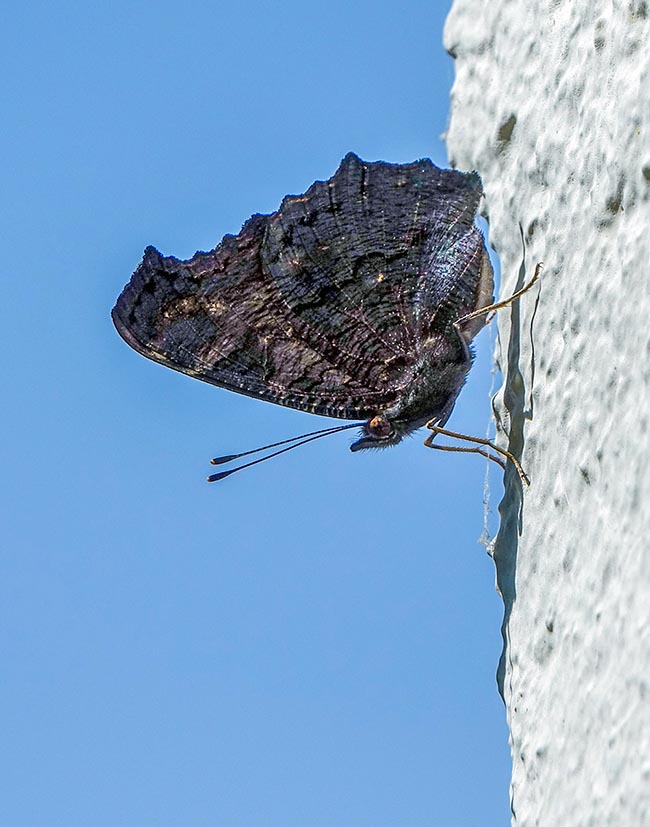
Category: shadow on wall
[506,544]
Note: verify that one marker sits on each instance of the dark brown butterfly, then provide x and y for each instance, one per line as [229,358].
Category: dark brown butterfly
[356,300]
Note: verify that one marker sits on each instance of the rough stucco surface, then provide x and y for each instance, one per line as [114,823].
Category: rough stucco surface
[551,104]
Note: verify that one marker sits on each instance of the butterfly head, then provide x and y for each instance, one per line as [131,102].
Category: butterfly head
[379,432]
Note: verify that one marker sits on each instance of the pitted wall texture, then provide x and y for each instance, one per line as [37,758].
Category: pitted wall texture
[551,104]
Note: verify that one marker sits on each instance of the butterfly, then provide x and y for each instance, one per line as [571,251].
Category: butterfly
[357,300]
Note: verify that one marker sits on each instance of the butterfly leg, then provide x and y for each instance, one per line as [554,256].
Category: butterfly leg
[491,308]
[436,429]
[480,451]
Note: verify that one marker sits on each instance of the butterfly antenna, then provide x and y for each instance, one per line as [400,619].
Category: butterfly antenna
[323,432]
[297,440]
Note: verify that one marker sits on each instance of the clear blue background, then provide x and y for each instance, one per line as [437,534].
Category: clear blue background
[309,644]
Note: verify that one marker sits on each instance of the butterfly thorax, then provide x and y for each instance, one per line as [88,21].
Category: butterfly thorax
[431,387]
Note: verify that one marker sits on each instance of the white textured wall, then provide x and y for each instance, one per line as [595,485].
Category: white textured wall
[551,104]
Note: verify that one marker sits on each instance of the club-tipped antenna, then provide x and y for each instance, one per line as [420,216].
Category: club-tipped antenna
[297,440]
[322,432]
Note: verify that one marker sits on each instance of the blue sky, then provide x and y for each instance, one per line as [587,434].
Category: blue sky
[313,642]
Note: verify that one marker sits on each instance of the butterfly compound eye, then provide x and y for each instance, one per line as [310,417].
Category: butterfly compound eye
[380,427]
